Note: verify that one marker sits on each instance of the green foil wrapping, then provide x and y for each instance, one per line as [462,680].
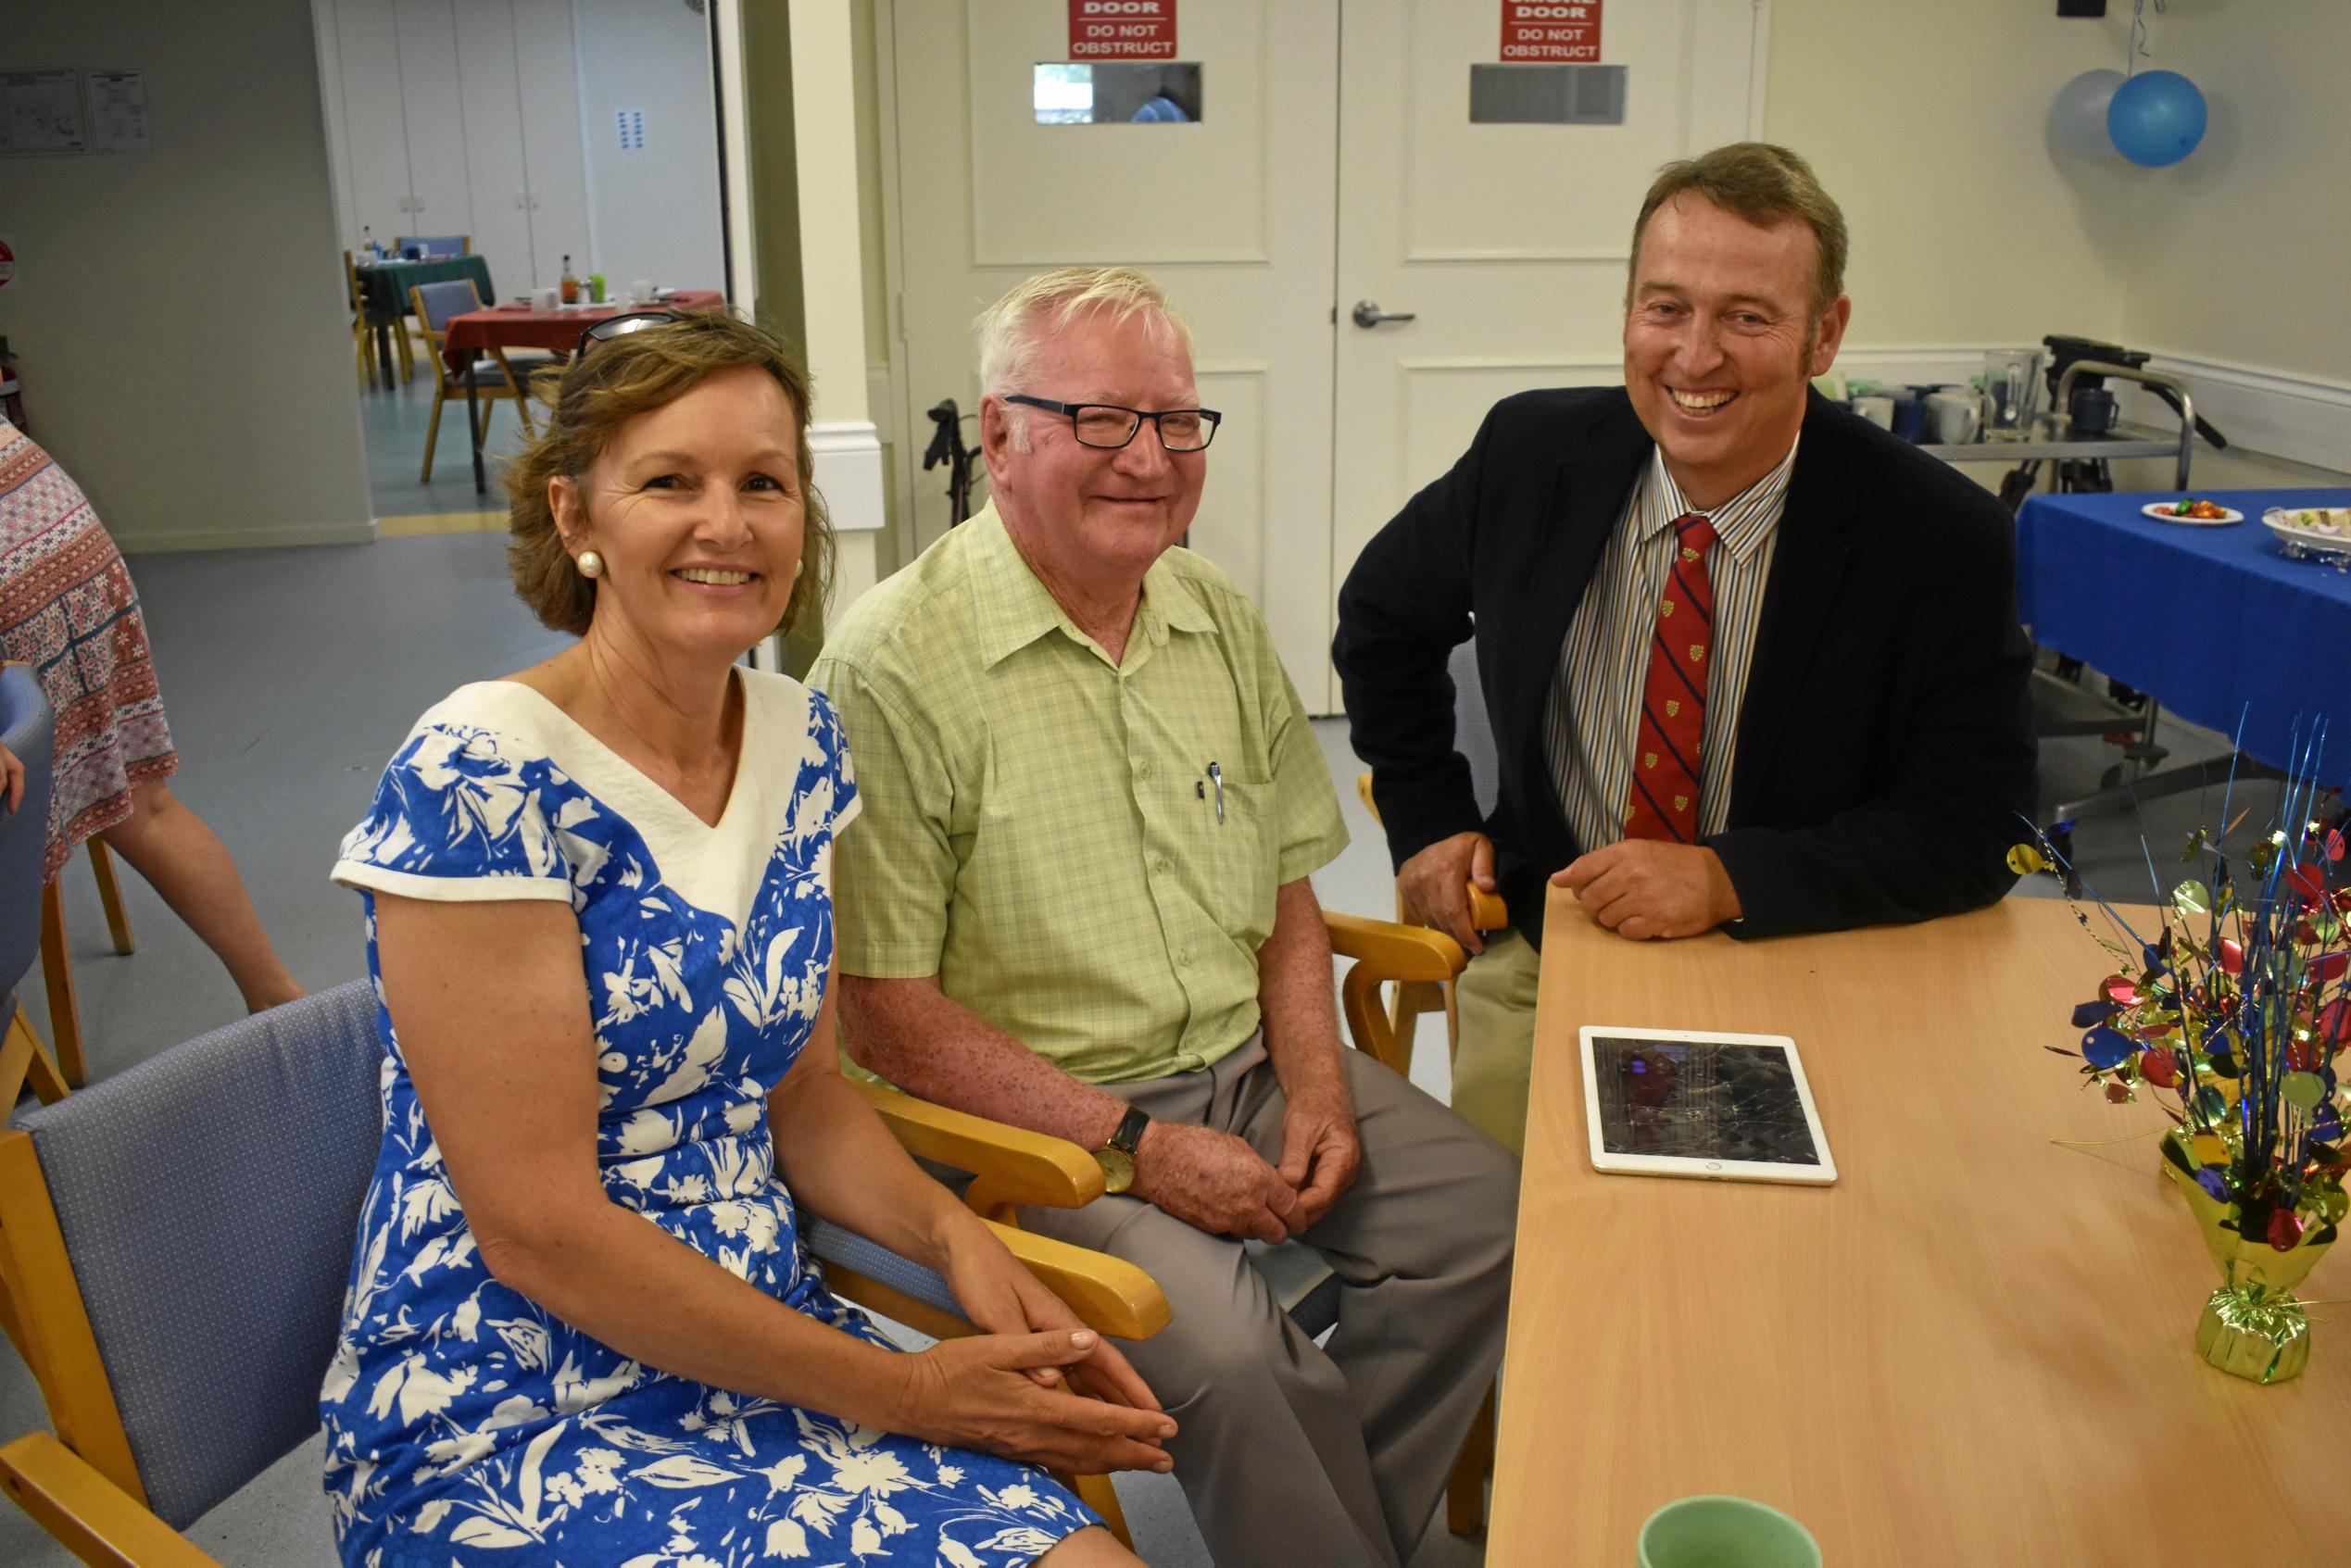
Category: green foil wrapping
[2251,1327]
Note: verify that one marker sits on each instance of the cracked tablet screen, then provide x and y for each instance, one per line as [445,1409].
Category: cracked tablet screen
[1700,1101]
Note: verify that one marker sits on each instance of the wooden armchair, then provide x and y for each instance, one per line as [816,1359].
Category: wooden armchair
[180,1337]
[1032,1169]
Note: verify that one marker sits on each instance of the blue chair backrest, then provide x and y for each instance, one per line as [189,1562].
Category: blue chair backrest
[430,244]
[209,1198]
[435,303]
[26,728]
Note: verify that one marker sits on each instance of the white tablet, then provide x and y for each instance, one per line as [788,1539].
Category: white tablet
[1717,1106]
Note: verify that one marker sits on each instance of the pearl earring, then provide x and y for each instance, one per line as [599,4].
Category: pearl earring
[591,565]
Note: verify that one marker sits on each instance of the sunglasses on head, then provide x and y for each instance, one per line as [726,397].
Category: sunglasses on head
[621,325]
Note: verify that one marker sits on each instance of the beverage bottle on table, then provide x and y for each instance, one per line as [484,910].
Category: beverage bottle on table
[366,241]
[570,283]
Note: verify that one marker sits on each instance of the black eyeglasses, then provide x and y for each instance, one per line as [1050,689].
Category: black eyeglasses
[623,324]
[1110,427]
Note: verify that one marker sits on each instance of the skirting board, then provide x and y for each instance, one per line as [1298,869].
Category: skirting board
[849,474]
[2301,418]
[244,538]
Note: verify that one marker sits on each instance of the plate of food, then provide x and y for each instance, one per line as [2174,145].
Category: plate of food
[2192,510]
[2312,533]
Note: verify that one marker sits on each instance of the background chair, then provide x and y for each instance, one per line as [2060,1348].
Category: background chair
[1473,739]
[434,245]
[492,378]
[27,729]
[179,1311]
[1060,1176]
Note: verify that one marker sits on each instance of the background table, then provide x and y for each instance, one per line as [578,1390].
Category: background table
[2215,624]
[384,289]
[1976,1348]
[518,326]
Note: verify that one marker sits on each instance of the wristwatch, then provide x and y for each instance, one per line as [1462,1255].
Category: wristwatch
[1117,1157]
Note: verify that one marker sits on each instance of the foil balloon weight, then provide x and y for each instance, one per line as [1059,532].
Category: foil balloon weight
[2155,118]
[2078,116]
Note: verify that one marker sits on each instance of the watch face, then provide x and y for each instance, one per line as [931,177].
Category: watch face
[1118,1169]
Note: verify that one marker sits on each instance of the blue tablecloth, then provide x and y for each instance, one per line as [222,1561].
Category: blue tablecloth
[2215,624]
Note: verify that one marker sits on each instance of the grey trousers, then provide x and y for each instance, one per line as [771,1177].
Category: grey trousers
[1294,1453]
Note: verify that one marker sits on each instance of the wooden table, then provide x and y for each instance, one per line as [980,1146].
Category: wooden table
[1975,1348]
[519,326]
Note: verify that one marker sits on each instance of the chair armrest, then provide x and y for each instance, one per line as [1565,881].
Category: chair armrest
[1487,911]
[1109,1295]
[1011,1165]
[95,1519]
[1385,950]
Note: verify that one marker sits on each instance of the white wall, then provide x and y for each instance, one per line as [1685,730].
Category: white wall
[181,313]
[1929,122]
[655,213]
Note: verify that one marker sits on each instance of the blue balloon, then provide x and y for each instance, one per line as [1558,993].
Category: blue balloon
[2157,119]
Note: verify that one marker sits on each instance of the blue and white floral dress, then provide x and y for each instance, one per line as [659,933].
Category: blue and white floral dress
[465,1422]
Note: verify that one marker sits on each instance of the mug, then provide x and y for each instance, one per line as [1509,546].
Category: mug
[2093,410]
[546,299]
[1910,418]
[1877,410]
[1953,417]
[641,291]
[1716,1532]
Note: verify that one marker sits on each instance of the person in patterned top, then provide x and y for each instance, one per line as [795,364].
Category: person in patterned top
[582,1325]
[69,609]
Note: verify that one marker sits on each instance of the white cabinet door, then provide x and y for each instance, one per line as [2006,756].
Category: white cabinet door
[547,89]
[495,179]
[442,200]
[1506,242]
[375,146]
[1233,213]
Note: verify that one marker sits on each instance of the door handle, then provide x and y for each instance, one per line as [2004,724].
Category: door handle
[1367,313]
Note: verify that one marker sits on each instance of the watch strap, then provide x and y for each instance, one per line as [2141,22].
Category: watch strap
[1128,1137]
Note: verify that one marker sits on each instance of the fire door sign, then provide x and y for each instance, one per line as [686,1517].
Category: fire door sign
[1124,30]
[1548,30]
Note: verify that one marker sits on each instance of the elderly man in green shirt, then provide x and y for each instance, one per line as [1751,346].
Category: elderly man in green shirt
[1077,902]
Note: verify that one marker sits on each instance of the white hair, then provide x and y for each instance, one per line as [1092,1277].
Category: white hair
[1012,330]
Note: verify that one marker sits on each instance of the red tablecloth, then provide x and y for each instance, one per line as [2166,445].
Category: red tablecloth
[518,326]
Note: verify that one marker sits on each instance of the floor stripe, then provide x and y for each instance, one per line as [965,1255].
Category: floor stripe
[441,523]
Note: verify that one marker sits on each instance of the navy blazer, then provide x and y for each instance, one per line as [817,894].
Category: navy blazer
[1886,753]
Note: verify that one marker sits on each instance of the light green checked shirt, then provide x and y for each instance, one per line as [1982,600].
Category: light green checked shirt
[1040,827]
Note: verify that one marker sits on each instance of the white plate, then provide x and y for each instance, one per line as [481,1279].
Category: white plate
[2287,525]
[2161,511]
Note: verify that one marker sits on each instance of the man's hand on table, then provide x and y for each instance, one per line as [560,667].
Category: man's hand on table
[1640,888]
[1321,1149]
[1434,885]
[1214,1182]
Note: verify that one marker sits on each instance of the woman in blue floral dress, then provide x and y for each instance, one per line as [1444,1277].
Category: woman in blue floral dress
[601,924]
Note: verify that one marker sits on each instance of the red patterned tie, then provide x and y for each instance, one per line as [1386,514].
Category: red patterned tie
[1662,802]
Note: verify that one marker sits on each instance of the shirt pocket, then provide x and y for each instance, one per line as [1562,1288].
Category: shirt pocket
[1235,862]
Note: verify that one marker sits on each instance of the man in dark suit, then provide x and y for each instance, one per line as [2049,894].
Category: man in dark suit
[1751,662]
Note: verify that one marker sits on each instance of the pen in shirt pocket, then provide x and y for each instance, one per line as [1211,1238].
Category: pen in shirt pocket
[1216,778]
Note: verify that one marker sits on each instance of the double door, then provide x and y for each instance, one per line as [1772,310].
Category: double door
[459,117]
[1331,155]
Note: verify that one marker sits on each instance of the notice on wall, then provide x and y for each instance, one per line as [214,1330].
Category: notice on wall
[1555,30]
[41,112]
[119,111]
[1122,29]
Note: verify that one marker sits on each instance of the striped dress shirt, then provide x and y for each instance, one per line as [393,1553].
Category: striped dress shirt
[1595,715]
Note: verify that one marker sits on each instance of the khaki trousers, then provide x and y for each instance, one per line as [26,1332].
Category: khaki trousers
[1495,996]
[1300,1454]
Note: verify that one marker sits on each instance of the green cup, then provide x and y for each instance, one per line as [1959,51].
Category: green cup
[1725,1533]
[595,288]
